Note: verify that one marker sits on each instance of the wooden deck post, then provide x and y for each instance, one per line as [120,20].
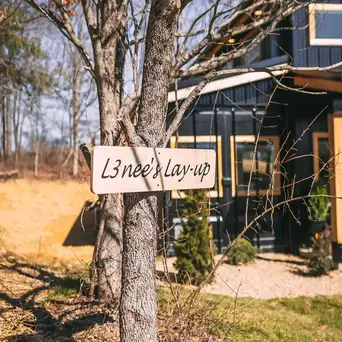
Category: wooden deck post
[335,143]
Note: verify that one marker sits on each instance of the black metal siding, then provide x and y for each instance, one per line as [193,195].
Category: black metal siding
[257,94]
[305,55]
[232,210]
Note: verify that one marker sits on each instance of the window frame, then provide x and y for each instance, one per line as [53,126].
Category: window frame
[315,138]
[177,194]
[312,25]
[234,164]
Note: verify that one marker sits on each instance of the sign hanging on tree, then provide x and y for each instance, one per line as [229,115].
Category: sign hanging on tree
[140,169]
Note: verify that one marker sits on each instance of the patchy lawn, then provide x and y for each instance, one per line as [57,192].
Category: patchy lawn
[41,304]
[301,319]
[297,320]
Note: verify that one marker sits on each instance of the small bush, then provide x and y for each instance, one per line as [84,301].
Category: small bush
[321,262]
[318,204]
[194,248]
[241,253]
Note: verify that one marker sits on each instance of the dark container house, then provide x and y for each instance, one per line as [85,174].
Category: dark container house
[297,133]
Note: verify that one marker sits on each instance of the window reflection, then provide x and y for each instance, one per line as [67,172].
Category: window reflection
[201,145]
[261,162]
[322,153]
[254,168]
[325,24]
[328,24]
[202,142]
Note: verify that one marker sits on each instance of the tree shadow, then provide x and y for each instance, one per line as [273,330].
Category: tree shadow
[83,231]
[170,276]
[64,332]
[307,274]
[50,324]
[293,262]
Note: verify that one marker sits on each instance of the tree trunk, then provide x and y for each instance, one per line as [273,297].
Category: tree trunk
[138,299]
[70,130]
[36,159]
[76,109]
[15,121]
[21,125]
[138,309]
[3,119]
[107,258]
[107,253]
[8,117]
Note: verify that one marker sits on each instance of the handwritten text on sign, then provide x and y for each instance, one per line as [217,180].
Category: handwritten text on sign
[139,169]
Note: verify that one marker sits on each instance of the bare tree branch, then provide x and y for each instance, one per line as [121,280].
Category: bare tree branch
[286,8]
[67,30]
[184,106]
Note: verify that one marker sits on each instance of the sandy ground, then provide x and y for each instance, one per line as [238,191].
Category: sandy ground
[271,276]
[39,220]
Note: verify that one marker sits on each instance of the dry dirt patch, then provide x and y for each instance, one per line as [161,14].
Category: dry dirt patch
[31,309]
[37,217]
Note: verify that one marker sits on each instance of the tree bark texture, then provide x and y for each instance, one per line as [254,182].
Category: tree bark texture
[3,119]
[76,84]
[36,158]
[138,297]
[18,128]
[109,252]
[8,117]
[138,308]
[15,120]
[109,64]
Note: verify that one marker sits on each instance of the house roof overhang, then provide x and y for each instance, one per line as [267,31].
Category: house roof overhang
[329,81]
[225,83]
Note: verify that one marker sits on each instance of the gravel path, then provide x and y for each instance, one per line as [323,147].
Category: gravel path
[272,276]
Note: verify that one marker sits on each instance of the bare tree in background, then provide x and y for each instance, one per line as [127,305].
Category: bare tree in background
[117,30]
[76,85]
[22,72]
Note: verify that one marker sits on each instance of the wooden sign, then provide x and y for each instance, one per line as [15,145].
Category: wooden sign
[140,169]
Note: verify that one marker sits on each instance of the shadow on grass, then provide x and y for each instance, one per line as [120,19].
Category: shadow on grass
[308,274]
[48,325]
[171,276]
[292,262]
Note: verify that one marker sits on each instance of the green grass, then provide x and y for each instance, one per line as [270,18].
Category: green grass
[59,292]
[302,319]
[297,319]
[66,287]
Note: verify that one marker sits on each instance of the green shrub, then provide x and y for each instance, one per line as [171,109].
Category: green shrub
[193,247]
[318,204]
[241,253]
[321,262]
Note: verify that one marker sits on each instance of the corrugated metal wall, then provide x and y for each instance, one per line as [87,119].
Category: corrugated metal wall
[308,56]
[257,93]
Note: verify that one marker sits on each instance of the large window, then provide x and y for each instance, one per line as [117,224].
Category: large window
[254,169]
[202,142]
[325,24]
[321,157]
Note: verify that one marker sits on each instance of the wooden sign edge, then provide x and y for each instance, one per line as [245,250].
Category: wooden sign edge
[94,148]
